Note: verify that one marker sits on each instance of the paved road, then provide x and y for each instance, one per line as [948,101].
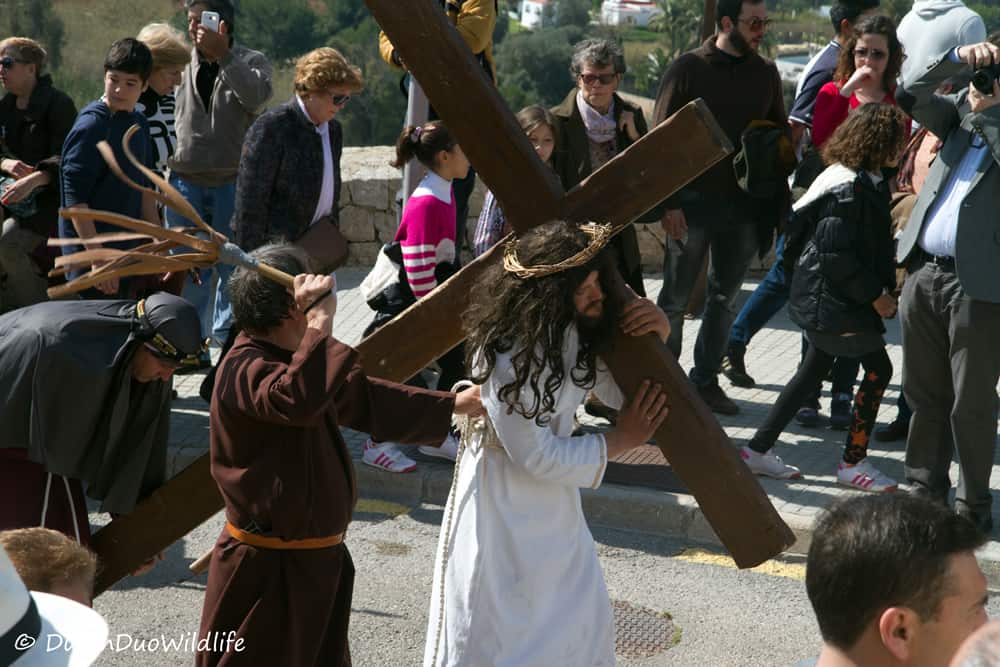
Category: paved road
[725,617]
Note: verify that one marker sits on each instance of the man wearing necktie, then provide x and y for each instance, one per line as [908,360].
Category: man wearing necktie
[951,301]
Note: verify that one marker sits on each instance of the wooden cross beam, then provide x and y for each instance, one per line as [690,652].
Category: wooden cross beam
[667,158]
[691,439]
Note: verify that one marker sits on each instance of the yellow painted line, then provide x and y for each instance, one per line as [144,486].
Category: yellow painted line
[774,568]
[373,506]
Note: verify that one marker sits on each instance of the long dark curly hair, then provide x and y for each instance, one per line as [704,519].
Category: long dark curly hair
[529,317]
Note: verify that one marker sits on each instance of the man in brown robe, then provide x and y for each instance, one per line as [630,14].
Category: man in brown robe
[281,578]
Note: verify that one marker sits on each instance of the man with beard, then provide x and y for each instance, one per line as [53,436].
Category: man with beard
[517,579]
[712,213]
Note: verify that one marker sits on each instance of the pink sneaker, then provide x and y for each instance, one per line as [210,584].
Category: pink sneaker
[387,456]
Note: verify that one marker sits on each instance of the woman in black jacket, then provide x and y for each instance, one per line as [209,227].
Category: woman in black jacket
[839,254]
[289,175]
[35,118]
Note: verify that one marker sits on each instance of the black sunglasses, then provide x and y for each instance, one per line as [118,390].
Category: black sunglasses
[7,62]
[591,79]
[340,100]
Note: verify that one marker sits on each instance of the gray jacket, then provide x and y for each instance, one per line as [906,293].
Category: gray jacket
[977,242]
[209,142]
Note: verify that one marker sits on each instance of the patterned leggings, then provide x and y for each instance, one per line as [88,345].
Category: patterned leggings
[815,366]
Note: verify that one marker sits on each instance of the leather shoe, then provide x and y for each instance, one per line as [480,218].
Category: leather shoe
[984,521]
[898,429]
[939,497]
[734,367]
[717,400]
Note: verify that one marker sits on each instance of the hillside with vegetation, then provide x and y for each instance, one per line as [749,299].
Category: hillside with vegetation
[532,65]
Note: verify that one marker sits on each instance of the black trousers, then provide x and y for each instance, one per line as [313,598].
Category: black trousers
[815,366]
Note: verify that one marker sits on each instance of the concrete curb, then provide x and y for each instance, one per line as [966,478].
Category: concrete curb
[642,510]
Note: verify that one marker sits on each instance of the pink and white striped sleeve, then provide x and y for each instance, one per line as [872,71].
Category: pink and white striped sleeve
[425,229]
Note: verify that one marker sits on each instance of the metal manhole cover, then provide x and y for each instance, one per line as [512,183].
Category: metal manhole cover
[642,632]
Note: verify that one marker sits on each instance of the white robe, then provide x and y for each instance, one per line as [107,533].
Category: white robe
[523,585]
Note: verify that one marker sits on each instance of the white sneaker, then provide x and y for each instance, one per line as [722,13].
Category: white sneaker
[863,475]
[769,465]
[387,456]
[447,450]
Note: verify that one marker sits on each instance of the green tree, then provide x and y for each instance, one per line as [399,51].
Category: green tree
[572,13]
[533,67]
[375,116]
[281,30]
[680,23]
[34,19]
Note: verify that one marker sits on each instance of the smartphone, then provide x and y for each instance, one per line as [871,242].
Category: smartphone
[210,20]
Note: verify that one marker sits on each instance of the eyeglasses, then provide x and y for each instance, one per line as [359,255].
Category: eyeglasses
[340,100]
[757,23]
[605,79]
[7,62]
[870,54]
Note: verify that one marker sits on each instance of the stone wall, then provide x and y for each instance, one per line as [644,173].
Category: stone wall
[368,210]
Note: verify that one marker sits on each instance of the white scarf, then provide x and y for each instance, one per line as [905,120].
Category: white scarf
[601,127]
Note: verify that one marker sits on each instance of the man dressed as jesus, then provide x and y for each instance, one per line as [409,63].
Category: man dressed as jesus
[517,580]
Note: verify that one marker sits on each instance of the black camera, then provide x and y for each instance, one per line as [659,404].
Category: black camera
[984,77]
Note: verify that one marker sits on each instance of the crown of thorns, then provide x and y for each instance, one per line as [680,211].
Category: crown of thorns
[599,236]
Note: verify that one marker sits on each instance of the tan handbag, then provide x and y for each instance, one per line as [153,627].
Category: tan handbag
[325,245]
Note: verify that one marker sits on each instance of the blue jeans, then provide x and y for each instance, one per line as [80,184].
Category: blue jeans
[215,206]
[770,296]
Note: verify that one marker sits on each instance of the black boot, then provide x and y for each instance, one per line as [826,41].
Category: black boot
[897,430]
[734,367]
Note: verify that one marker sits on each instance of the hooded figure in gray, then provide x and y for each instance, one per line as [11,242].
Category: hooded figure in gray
[932,27]
[85,389]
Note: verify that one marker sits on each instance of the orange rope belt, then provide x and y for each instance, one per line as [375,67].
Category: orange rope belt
[264,542]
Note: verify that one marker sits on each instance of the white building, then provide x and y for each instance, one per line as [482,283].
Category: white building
[533,12]
[628,12]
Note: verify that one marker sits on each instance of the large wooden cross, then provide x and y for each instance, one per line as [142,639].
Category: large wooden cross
[668,157]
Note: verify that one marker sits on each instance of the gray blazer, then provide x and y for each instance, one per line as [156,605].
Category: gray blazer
[977,242]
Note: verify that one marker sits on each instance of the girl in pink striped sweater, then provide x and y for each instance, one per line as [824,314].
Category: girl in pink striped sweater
[427,231]
[426,237]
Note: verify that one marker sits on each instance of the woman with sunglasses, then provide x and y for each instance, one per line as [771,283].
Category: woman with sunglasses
[289,176]
[594,124]
[35,118]
[866,72]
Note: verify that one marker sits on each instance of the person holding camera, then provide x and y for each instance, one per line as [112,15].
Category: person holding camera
[951,300]
[223,90]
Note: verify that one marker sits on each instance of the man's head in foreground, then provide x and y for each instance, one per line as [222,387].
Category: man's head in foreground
[893,580]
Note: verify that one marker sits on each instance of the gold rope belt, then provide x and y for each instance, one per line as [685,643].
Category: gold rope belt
[264,542]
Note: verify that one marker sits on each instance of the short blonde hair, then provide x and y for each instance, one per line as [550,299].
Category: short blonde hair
[167,44]
[325,68]
[26,50]
[46,559]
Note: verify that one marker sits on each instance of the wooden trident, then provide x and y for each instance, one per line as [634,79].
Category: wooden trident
[653,168]
[151,257]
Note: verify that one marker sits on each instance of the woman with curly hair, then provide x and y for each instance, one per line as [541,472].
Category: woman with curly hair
[516,579]
[866,72]
[839,254]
